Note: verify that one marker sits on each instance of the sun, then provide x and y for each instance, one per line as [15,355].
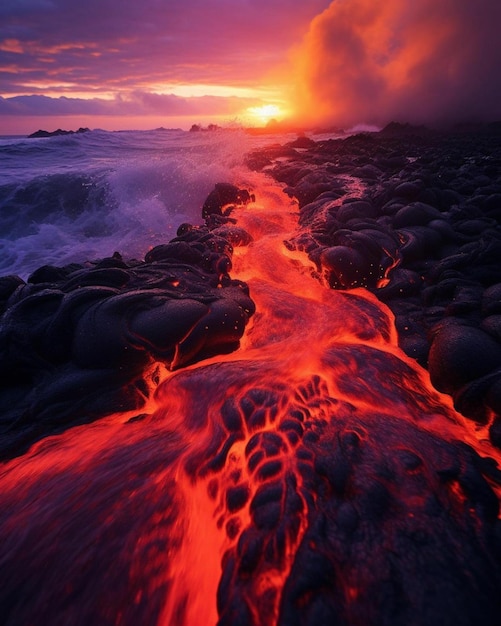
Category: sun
[265,113]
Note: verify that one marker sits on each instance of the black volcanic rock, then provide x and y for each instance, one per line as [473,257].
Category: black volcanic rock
[300,488]
[302,142]
[397,129]
[56,133]
[225,196]
[414,215]
[79,342]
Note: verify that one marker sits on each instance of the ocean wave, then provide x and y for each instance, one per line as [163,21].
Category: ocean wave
[83,196]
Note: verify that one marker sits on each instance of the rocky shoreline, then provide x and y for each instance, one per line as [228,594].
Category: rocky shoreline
[410,214]
[79,342]
[422,232]
[315,476]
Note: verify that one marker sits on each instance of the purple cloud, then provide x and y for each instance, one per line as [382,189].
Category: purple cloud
[131,44]
[138,103]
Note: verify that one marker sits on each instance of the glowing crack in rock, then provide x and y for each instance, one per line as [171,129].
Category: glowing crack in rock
[314,476]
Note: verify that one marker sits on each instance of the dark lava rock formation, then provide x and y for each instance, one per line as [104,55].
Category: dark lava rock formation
[76,341]
[413,215]
[223,198]
[336,494]
[402,525]
[56,133]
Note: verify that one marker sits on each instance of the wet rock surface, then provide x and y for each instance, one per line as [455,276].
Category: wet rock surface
[314,479]
[359,482]
[79,342]
[414,215]
[223,197]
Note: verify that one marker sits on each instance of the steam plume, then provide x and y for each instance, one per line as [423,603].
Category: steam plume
[422,61]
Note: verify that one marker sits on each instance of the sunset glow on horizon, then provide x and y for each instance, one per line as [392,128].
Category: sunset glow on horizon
[339,62]
[119,66]
[266,113]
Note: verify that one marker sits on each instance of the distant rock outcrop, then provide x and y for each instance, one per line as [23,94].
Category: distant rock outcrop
[196,128]
[396,129]
[55,133]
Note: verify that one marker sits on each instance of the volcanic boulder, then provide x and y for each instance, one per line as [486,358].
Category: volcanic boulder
[223,197]
[415,217]
[81,341]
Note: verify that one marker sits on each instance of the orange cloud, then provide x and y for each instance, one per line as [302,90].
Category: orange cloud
[11,45]
[420,61]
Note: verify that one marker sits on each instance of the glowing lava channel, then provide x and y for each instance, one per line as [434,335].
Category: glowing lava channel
[204,510]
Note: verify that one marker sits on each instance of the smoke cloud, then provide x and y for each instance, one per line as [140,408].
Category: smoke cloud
[434,62]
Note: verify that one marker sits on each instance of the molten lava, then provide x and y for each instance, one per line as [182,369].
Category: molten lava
[313,476]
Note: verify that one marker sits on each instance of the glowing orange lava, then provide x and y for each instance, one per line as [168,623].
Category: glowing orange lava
[202,510]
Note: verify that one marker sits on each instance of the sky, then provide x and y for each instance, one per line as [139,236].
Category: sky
[145,63]
[119,64]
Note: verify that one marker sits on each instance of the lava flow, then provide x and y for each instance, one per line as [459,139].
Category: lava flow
[312,477]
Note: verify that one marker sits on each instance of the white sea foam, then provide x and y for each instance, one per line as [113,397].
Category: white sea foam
[81,197]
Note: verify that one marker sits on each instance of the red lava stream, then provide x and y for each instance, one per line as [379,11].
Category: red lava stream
[207,509]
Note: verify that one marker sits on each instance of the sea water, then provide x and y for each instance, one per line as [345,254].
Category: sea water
[83,196]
